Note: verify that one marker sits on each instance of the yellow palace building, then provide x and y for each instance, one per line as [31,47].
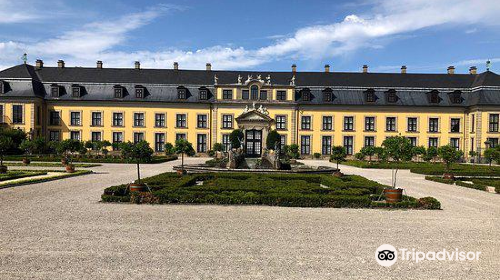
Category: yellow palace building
[315,110]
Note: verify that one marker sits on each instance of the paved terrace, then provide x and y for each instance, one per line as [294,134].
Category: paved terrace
[59,230]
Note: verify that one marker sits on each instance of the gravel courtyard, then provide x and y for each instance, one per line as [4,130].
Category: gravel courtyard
[60,230]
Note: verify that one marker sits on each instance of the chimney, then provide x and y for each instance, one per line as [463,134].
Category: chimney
[451,70]
[176,66]
[137,65]
[60,63]
[294,68]
[403,69]
[327,68]
[209,67]
[39,63]
[365,68]
[99,64]
[473,70]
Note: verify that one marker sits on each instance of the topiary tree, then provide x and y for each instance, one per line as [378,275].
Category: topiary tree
[273,140]
[339,153]
[68,147]
[40,146]
[359,156]
[293,151]
[419,151]
[27,146]
[473,154]
[138,152]
[218,147]
[430,154]
[6,143]
[236,138]
[449,155]
[490,154]
[368,151]
[104,145]
[182,146]
[398,148]
[381,153]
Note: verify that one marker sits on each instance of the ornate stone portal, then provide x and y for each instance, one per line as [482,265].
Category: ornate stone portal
[256,124]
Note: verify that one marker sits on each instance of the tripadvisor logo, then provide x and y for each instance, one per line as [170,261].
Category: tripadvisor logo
[387,255]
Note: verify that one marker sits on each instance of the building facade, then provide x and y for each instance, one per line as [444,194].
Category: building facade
[315,110]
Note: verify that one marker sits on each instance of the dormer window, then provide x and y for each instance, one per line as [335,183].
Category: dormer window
[370,95]
[306,94]
[139,92]
[456,97]
[76,91]
[181,93]
[434,97]
[391,96]
[55,90]
[2,87]
[327,95]
[118,91]
[203,93]
[254,92]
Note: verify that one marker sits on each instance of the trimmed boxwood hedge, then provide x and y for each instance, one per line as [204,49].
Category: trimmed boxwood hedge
[109,159]
[17,174]
[293,190]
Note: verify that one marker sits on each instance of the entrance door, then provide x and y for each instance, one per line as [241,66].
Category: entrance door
[253,141]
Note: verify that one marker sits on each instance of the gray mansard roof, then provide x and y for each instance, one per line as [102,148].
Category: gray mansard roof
[161,85]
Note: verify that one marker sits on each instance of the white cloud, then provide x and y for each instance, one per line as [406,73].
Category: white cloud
[386,19]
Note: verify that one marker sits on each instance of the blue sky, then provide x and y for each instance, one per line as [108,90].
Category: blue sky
[427,36]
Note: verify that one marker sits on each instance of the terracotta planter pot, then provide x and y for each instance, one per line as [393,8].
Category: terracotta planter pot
[338,174]
[70,168]
[64,161]
[3,169]
[448,176]
[26,161]
[393,195]
[138,188]
[181,172]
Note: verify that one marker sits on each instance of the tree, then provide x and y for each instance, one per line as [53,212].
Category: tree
[104,145]
[339,154]
[236,138]
[6,143]
[368,151]
[398,148]
[430,154]
[169,149]
[68,147]
[381,153]
[419,151]
[293,151]
[16,135]
[27,146]
[359,156]
[491,154]
[39,145]
[449,155]
[140,151]
[217,147]
[182,146]
[273,140]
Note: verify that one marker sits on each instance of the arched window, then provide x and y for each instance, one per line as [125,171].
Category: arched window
[254,92]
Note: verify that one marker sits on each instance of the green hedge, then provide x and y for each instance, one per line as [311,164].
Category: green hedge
[439,180]
[17,174]
[458,170]
[47,179]
[471,186]
[108,159]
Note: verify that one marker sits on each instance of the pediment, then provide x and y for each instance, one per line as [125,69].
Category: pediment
[254,116]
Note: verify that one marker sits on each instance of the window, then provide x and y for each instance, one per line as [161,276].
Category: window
[54,118]
[326,145]
[369,123]
[263,95]
[118,92]
[75,118]
[370,96]
[244,94]
[433,142]
[493,142]
[75,135]
[282,142]
[434,97]
[281,95]
[96,118]
[306,123]
[203,94]
[139,92]
[96,136]
[305,144]
[159,142]
[227,94]
[117,139]
[180,136]
[280,122]
[390,124]
[413,141]
[138,137]
[139,119]
[348,123]
[254,90]
[391,96]
[493,126]
[159,120]
[1,114]
[180,121]
[227,121]
[327,95]
[433,125]
[412,124]
[455,143]
[327,123]
[202,121]
[54,135]
[455,125]
[117,119]
[76,91]
[225,142]
[306,95]
[201,143]
[369,141]
[349,144]
[456,97]
[473,123]
[54,90]
[17,114]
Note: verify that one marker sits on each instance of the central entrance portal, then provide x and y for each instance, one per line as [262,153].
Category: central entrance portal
[253,143]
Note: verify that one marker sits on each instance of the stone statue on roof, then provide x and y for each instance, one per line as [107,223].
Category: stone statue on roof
[268,78]
[216,80]
[239,79]
[292,81]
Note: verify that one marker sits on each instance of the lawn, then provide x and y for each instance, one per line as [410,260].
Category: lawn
[262,189]
[16,174]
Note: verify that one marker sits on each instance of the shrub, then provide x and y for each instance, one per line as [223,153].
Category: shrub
[293,151]
[472,186]
[429,203]
[218,147]
[439,180]
[273,140]
[449,155]
[317,155]
[236,138]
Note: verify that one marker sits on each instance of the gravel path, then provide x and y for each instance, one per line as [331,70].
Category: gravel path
[59,230]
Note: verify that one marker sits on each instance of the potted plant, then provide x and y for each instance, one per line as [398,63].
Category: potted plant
[490,154]
[398,148]
[6,143]
[27,146]
[449,155]
[182,146]
[293,153]
[140,151]
[472,155]
[339,154]
[69,148]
